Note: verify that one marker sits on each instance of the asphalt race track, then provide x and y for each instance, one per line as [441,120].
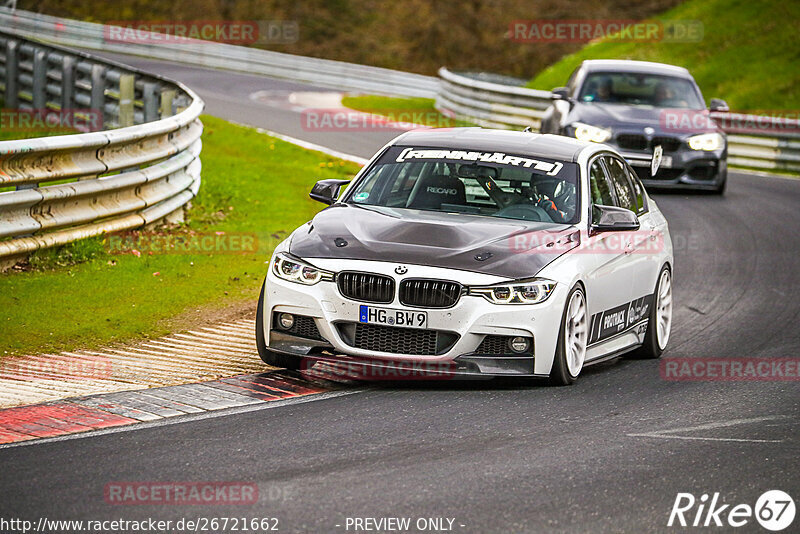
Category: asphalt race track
[608,454]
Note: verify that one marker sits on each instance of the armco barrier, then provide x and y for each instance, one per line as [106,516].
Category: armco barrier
[496,105]
[320,72]
[111,180]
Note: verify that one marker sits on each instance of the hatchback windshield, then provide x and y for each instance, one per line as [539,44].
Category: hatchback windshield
[492,184]
[640,89]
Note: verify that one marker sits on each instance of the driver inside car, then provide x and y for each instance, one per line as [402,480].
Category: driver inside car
[559,205]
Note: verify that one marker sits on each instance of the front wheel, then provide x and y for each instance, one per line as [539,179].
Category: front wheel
[267,356]
[572,338]
[659,322]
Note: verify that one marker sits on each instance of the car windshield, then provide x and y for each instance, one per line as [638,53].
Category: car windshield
[492,184]
[640,89]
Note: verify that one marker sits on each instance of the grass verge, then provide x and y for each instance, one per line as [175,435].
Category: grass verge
[85,295]
[748,54]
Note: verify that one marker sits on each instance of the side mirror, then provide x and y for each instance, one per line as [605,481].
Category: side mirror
[560,93]
[613,218]
[717,104]
[327,191]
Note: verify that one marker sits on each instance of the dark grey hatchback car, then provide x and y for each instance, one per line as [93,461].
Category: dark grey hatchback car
[635,106]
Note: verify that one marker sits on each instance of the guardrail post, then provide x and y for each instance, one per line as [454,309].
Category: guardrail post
[67,83]
[127,90]
[11,96]
[98,97]
[167,96]
[150,98]
[39,80]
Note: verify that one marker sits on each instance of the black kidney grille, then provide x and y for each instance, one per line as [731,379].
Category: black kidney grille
[669,144]
[429,293]
[366,287]
[639,142]
[632,141]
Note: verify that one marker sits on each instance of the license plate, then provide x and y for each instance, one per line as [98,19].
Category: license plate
[384,316]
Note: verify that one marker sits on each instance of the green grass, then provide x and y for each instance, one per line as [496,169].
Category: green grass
[749,53]
[413,110]
[80,295]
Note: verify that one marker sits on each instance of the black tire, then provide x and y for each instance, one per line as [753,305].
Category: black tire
[560,374]
[650,349]
[720,189]
[269,357]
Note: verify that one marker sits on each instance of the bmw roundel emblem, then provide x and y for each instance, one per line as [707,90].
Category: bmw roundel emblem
[401,269]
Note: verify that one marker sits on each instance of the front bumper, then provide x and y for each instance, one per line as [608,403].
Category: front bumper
[470,321]
[690,169]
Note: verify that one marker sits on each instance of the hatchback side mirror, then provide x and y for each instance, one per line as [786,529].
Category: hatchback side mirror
[560,93]
[613,218]
[327,191]
[717,104]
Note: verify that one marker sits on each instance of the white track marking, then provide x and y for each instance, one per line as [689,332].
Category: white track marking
[313,397]
[671,433]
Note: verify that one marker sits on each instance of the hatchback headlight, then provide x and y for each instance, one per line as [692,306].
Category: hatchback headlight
[292,269]
[710,141]
[521,292]
[587,132]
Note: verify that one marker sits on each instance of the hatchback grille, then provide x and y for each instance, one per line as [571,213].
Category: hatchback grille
[639,142]
[632,141]
[412,341]
[669,144]
[366,287]
[429,293]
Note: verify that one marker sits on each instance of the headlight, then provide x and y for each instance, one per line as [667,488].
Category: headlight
[522,292]
[287,268]
[587,132]
[711,141]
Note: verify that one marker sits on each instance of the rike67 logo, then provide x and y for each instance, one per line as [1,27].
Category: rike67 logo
[774,510]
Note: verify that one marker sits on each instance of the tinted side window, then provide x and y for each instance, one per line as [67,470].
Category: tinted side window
[638,191]
[601,191]
[619,177]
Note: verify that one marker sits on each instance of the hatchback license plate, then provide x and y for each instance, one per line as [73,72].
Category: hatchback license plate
[384,316]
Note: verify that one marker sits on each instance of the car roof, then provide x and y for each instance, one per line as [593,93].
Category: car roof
[546,146]
[625,65]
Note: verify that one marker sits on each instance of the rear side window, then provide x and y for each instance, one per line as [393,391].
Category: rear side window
[618,174]
[600,188]
[638,191]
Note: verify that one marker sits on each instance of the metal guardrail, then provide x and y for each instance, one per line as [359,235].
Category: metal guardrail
[320,72]
[70,187]
[493,105]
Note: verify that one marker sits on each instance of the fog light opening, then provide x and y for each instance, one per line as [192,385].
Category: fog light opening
[519,344]
[286,321]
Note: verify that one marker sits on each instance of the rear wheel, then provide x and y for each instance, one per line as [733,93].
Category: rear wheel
[267,356]
[572,338]
[659,322]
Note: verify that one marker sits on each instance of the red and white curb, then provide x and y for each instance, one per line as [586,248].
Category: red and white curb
[207,353]
[97,412]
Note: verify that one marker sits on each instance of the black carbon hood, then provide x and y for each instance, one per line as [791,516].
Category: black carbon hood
[501,247]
